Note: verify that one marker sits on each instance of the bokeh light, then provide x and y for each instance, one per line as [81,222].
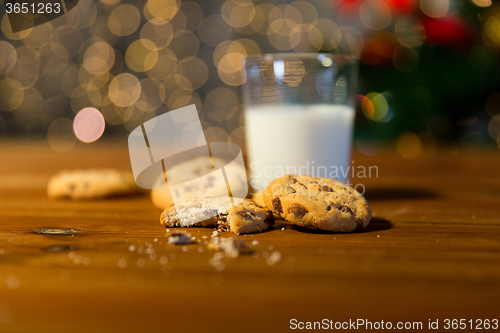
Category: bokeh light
[141,55]
[435,8]
[379,107]
[221,104]
[8,57]
[124,20]
[133,61]
[165,9]
[158,31]
[60,134]
[39,36]
[214,30]
[88,125]
[375,14]
[409,31]
[409,145]
[31,104]
[184,44]
[230,69]
[482,3]
[194,13]
[366,106]
[239,13]
[99,57]
[124,90]
[11,94]
[195,70]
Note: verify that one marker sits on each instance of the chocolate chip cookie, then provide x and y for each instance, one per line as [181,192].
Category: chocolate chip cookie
[318,203]
[92,184]
[196,180]
[244,218]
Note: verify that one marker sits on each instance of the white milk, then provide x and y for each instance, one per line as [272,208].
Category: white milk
[298,139]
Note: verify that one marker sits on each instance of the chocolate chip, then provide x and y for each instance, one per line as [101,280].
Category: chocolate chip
[328,207]
[345,209]
[246,215]
[289,189]
[293,180]
[302,185]
[298,210]
[277,205]
[326,188]
[360,225]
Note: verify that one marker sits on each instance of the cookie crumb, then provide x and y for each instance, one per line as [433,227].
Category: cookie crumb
[283,228]
[232,247]
[215,234]
[185,249]
[255,242]
[155,240]
[378,236]
[177,238]
[163,260]
[216,261]
[141,262]
[168,230]
[131,248]
[122,263]
[274,258]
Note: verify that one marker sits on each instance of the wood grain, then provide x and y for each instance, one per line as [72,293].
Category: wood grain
[431,252]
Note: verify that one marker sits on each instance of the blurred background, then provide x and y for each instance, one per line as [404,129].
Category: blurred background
[429,69]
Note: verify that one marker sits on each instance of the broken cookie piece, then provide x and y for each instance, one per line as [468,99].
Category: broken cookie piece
[232,247]
[244,218]
[178,238]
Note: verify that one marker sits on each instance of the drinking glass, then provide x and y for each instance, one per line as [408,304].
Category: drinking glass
[299,115]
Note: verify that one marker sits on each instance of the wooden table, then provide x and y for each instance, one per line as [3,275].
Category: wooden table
[432,251]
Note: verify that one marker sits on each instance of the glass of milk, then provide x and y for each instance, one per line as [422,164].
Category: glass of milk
[299,115]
